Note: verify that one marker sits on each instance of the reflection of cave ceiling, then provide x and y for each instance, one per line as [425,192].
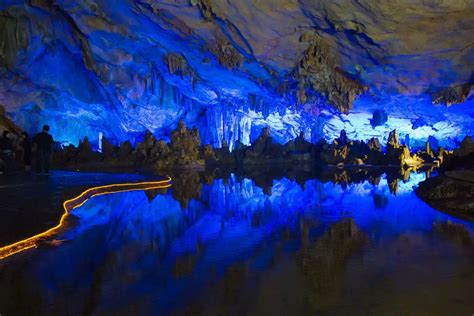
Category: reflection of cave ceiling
[230,67]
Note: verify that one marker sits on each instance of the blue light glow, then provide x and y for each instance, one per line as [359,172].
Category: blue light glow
[122,87]
[146,244]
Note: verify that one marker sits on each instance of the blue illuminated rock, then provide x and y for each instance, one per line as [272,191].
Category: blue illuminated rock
[379,117]
[234,68]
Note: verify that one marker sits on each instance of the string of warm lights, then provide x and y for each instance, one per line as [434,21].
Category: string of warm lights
[78,201]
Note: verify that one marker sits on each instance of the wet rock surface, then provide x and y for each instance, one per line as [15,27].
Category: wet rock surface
[451,192]
[453,189]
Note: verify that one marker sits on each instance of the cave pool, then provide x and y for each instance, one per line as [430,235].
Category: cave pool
[230,247]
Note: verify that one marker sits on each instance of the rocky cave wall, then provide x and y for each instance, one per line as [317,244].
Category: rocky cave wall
[231,68]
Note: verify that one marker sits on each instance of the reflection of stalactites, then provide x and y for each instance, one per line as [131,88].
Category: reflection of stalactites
[393,186]
[152,194]
[261,216]
[324,262]
[428,172]
[305,227]
[199,245]
[454,232]
[264,181]
[233,280]
[343,178]
[99,277]
[405,173]
[184,265]
[187,186]
[380,200]
[268,189]
[375,180]
[286,234]
[208,178]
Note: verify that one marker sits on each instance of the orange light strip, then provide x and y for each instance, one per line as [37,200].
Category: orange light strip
[71,204]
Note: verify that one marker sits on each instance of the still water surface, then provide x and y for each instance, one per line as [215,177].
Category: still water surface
[230,247]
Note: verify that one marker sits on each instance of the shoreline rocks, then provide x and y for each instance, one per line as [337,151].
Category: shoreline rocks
[453,189]
[184,150]
[451,192]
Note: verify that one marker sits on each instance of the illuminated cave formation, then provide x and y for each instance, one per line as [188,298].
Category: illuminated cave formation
[311,148]
[90,68]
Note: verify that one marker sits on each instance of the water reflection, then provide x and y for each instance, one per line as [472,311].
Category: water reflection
[324,261]
[187,185]
[341,242]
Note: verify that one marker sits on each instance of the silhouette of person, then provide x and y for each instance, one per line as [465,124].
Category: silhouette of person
[26,146]
[3,166]
[44,144]
[5,142]
[6,151]
[6,148]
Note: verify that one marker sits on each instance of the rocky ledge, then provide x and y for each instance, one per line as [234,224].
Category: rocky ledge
[451,192]
[184,150]
[453,189]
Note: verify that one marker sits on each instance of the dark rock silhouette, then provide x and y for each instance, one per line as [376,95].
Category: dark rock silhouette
[379,117]
[185,151]
[323,261]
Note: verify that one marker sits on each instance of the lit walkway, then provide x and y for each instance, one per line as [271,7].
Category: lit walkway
[31,205]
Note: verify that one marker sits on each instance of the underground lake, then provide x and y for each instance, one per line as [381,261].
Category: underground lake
[229,246]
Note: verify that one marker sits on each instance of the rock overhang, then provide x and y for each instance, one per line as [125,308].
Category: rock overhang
[105,66]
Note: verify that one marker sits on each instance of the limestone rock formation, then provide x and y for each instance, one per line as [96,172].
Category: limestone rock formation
[85,152]
[185,151]
[13,38]
[108,149]
[145,65]
[374,144]
[263,144]
[452,95]
[393,142]
[125,150]
[178,65]
[185,144]
[7,124]
[318,70]
[466,148]
[209,153]
[453,189]
[302,145]
[142,150]
[227,55]
[398,154]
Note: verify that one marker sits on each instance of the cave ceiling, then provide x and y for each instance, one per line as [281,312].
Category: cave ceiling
[125,66]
